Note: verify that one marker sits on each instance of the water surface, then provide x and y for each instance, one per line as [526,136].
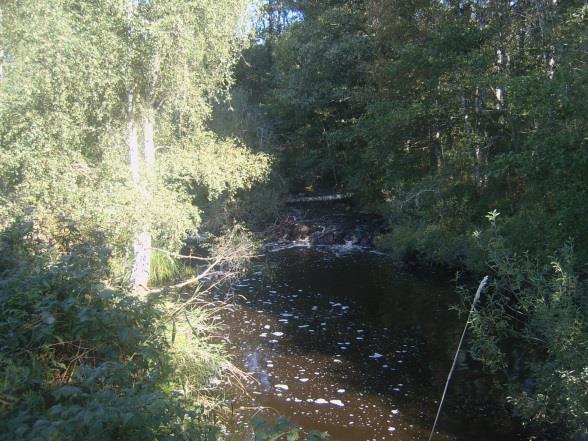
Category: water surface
[340,340]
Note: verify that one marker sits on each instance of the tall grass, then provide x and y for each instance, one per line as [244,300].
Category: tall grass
[166,269]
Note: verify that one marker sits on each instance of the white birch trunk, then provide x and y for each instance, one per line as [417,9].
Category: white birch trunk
[142,262]
[142,246]
[133,145]
[1,54]
[142,242]
[499,91]
[478,167]
[149,143]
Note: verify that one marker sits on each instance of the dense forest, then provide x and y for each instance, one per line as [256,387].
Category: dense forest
[141,143]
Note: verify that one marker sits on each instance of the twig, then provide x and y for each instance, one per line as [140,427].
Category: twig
[476,298]
[417,195]
[196,295]
[190,281]
[183,256]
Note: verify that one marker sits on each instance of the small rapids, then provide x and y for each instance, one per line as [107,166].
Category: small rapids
[338,340]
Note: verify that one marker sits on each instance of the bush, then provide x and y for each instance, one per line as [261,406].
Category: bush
[82,361]
[532,329]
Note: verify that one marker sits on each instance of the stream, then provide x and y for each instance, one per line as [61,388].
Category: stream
[338,339]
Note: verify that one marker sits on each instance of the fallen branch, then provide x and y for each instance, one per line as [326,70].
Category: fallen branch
[183,256]
[188,282]
[416,197]
[332,197]
[197,296]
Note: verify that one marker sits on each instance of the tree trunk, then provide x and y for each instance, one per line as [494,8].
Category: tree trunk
[478,167]
[1,54]
[499,90]
[133,145]
[142,246]
[436,151]
[149,143]
[142,263]
[142,242]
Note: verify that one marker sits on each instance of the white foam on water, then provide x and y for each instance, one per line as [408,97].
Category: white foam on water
[276,247]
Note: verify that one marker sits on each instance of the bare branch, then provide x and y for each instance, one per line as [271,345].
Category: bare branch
[183,256]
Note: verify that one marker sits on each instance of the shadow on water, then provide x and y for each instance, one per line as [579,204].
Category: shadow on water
[342,341]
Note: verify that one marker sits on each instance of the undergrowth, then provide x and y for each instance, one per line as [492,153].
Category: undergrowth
[80,360]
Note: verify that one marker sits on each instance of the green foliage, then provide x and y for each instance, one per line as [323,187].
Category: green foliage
[208,168]
[532,329]
[166,269]
[388,98]
[256,208]
[63,155]
[281,428]
[81,360]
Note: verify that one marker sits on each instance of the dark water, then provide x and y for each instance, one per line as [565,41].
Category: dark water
[343,342]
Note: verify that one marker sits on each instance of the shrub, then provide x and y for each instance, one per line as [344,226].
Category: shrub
[83,361]
[532,329]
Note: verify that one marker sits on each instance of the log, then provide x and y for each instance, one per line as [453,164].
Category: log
[325,198]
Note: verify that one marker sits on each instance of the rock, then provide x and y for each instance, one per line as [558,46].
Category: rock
[300,232]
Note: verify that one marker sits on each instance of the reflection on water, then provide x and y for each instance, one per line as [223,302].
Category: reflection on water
[342,342]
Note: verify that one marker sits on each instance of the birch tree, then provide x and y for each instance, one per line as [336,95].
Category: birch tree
[99,105]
